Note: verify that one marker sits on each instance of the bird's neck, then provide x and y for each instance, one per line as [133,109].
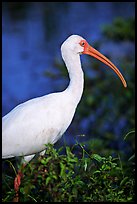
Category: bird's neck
[75,88]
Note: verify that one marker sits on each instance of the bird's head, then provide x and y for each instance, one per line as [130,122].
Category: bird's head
[72,44]
[78,45]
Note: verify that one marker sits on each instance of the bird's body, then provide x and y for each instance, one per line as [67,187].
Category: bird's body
[31,125]
[39,122]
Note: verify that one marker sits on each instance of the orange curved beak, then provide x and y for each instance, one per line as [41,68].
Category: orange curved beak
[94,53]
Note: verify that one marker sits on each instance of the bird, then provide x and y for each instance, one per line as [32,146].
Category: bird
[42,120]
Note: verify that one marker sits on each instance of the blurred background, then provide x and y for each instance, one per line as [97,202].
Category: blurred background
[32,33]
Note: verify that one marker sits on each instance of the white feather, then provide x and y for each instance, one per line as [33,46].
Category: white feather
[31,125]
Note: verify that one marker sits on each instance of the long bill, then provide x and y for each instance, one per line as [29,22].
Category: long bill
[94,53]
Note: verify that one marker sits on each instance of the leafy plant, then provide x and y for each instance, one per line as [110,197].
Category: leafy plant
[120,29]
[65,177]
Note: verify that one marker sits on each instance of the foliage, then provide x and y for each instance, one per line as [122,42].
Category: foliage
[65,177]
[120,29]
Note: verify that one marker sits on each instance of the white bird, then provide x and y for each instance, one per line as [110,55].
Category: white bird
[29,126]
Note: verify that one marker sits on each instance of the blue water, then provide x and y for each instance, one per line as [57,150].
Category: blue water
[31,44]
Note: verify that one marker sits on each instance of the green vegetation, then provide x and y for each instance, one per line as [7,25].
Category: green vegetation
[65,177]
[120,29]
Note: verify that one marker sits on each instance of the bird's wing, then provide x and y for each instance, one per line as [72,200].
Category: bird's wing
[18,126]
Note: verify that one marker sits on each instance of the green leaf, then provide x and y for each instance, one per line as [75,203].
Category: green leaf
[124,181]
[97,157]
[45,160]
[132,157]
[48,180]
[62,171]
[85,165]
[97,171]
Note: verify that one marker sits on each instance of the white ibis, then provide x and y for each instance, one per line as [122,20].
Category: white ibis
[29,126]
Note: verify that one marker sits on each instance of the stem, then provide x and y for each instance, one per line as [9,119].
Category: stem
[12,167]
[121,165]
[132,131]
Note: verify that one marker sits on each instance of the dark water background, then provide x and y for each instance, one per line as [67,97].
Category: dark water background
[32,34]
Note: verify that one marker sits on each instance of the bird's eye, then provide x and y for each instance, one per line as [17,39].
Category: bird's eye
[82,43]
